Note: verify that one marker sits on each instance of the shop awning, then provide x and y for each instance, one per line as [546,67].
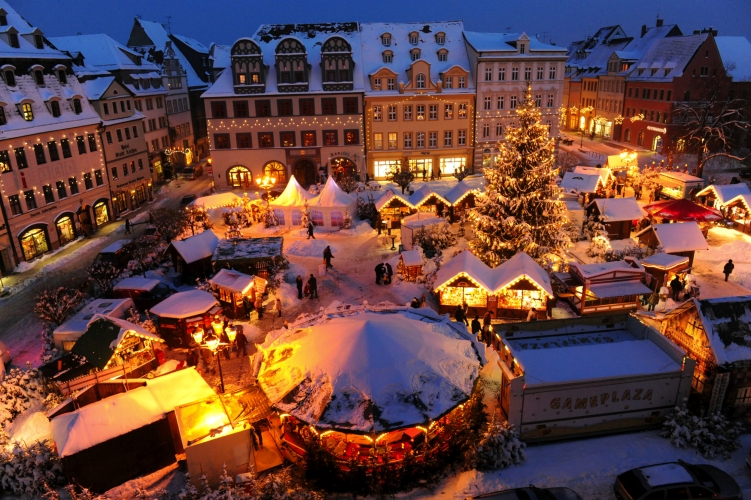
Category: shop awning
[609,290]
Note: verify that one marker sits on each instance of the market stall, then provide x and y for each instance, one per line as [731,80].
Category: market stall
[617,214]
[410,265]
[508,291]
[192,256]
[718,196]
[288,206]
[394,206]
[328,208]
[181,313]
[66,335]
[416,222]
[427,200]
[144,292]
[251,256]
[232,287]
[461,198]
[586,184]
[662,266]
[738,212]
[681,238]
[682,210]
[678,185]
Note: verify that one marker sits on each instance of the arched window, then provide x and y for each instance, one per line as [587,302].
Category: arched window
[414,38]
[317,217]
[386,39]
[414,54]
[55,108]
[336,218]
[77,109]
[239,176]
[443,55]
[420,81]
[276,170]
[34,241]
[279,214]
[440,38]
[640,138]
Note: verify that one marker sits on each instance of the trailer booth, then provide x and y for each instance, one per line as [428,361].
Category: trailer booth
[586,376]
[678,185]
[232,287]
[181,313]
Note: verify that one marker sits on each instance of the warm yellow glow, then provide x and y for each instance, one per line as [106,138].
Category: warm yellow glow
[231,333]
[198,335]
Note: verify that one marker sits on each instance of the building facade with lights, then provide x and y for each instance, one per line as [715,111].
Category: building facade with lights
[291,104]
[52,180]
[182,149]
[502,64]
[419,99]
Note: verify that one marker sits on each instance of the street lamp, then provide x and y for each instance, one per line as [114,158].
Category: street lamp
[213,344]
[266,183]
[586,109]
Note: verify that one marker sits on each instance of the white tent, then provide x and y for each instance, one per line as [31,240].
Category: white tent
[288,206]
[411,224]
[327,209]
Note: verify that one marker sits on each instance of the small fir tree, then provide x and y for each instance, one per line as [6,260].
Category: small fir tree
[599,243]
[712,435]
[519,210]
[347,222]
[305,219]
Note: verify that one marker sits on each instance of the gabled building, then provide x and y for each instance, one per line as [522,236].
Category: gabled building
[291,104]
[501,65]
[52,182]
[419,98]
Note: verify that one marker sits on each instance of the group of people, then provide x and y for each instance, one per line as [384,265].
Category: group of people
[483,331]
[384,272]
[257,306]
[309,289]
[418,303]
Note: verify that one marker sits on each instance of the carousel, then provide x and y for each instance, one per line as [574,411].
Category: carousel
[371,385]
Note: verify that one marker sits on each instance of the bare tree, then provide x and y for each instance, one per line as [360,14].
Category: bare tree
[461,173]
[102,274]
[56,305]
[402,176]
[169,223]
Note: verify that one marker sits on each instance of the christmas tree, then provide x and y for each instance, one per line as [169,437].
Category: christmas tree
[519,210]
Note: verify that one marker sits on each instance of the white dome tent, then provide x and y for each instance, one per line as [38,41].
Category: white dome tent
[288,207]
[327,209]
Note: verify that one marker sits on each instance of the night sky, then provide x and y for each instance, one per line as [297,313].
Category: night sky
[224,21]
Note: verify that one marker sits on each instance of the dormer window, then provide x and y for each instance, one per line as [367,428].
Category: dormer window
[388,56]
[652,72]
[27,112]
[641,72]
[3,121]
[386,40]
[39,77]
[414,37]
[146,84]
[39,41]
[440,38]
[55,109]
[420,81]
[3,18]
[414,54]
[443,55]
[667,72]
[10,78]
[522,48]
[77,109]
[62,77]
[13,40]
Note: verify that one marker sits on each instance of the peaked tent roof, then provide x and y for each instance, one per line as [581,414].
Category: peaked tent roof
[294,195]
[683,210]
[102,336]
[618,209]
[678,237]
[332,196]
[725,192]
[457,193]
[197,247]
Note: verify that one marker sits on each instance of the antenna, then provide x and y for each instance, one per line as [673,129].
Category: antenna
[169,24]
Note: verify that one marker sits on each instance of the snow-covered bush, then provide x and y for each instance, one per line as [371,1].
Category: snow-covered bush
[430,269]
[19,389]
[49,351]
[366,209]
[348,183]
[347,222]
[631,249]
[500,447]
[56,305]
[433,238]
[712,435]
[599,244]
[147,323]
[30,470]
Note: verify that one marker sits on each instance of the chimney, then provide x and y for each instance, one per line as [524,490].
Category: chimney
[643,30]
[659,22]
[697,32]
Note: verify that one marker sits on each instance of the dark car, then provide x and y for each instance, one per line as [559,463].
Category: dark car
[676,480]
[532,493]
[185,200]
[190,173]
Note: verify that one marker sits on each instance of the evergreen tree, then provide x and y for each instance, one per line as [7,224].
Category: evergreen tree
[519,210]
[347,222]
[305,220]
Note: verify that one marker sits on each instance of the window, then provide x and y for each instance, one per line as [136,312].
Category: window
[3,119]
[135,131]
[488,74]
[13,40]
[704,71]
[81,145]
[377,83]
[55,109]
[686,95]
[222,106]
[61,192]
[540,72]
[140,164]
[743,397]
[388,56]
[329,106]
[420,111]
[307,107]
[514,74]
[330,138]
[21,158]
[448,82]
[128,103]
[448,139]
[527,73]
[538,100]
[377,113]
[132,167]
[512,104]
[125,169]
[408,112]
[502,74]
[420,136]
[244,140]
[54,153]
[240,109]
[461,138]
[92,143]
[87,181]
[407,140]
[99,178]
[39,78]
[440,38]
[10,78]
[487,103]
[308,139]
[221,141]
[287,139]
[218,109]
[159,103]
[392,113]
[49,197]
[392,140]
[448,112]
[351,105]
[119,135]
[443,55]
[486,130]
[27,112]
[463,110]
[433,112]
[420,81]
[432,139]
[284,107]
[351,137]
[414,54]
[3,20]
[500,102]
[5,162]
[414,38]
[31,201]
[498,130]
[550,100]
[15,204]
[386,40]
[522,48]
[265,140]
[122,105]
[127,133]
[378,140]
[39,153]
[669,95]
[77,109]
[391,84]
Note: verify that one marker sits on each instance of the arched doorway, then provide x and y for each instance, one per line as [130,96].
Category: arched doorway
[34,241]
[277,171]
[66,228]
[640,138]
[657,143]
[305,172]
[239,176]
[627,135]
[343,167]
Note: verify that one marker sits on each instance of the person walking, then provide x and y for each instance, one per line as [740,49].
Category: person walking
[127,226]
[486,320]
[310,230]
[299,283]
[241,343]
[676,286]
[378,273]
[327,256]
[278,306]
[728,269]
[654,299]
[259,307]
[476,327]
[151,217]
[389,273]
[459,316]
[313,284]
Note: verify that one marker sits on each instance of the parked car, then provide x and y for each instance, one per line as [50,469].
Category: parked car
[676,480]
[185,200]
[745,173]
[532,493]
[190,173]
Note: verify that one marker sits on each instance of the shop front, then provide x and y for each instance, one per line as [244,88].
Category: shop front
[65,227]
[130,195]
[35,241]
[239,176]
[101,212]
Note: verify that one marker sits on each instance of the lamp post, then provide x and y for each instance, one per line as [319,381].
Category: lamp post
[266,183]
[212,343]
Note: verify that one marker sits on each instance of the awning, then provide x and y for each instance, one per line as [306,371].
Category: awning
[609,290]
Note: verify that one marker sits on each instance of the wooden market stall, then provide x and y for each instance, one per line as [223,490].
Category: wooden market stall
[144,292]
[718,196]
[410,265]
[192,256]
[678,185]
[66,335]
[661,266]
[586,185]
[604,287]
[251,255]
[508,291]
[416,222]
[680,238]
[180,314]
[232,287]
[462,198]
[618,215]
[738,211]
[427,200]
[394,206]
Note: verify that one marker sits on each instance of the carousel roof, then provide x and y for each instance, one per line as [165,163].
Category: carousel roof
[185,304]
[332,196]
[459,192]
[369,371]
[682,210]
[293,195]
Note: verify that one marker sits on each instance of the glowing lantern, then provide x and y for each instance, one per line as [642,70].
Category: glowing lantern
[231,332]
[198,335]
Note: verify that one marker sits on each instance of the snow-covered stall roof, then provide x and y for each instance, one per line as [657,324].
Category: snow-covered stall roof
[725,192]
[589,271]
[332,196]
[726,323]
[678,237]
[368,372]
[422,219]
[664,260]
[122,413]
[421,196]
[196,247]
[457,193]
[735,52]
[115,247]
[521,266]
[226,199]
[618,209]
[464,264]
[745,199]
[581,183]
[293,195]
[251,248]
[234,281]
[102,336]
[411,258]
[106,307]
[604,172]
[388,196]
[137,283]
[620,289]
[185,304]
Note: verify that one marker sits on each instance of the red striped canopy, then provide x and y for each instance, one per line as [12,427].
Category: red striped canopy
[682,210]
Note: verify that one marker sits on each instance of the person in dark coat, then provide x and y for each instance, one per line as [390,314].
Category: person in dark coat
[676,286]
[224,339]
[310,230]
[193,358]
[389,273]
[327,256]
[379,273]
[151,217]
[242,345]
[415,304]
[127,226]
[299,283]
[486,320]
[476,326]
[459,316]
[313,284]
[728,269]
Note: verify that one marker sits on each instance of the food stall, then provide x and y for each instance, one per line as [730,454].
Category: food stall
[427,200]
[232,287]
[393,206]
[617,215]
[410,265]
[462,198]
[718,196]
[738,211]
[680,238]
[182,313]
[662,266]
[678,185]
[192,256]
[251,255]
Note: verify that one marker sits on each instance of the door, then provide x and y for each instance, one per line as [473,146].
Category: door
[305,172]
[66,231]
[239,177]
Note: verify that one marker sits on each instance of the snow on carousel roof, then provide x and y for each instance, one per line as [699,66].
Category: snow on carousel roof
[216,200]
[293,195]
[197,247]
[369,371]
[185,304]
[459,192]
[678,237]
[332,196]
[618,209]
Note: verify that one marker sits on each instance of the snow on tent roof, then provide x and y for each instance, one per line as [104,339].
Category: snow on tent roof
[332,196]
[459,192]
[225,199]
[122,413]
[679,237]
[735,52]
[422,219]
[185,304]
[390,195]
[102,336]
[293,195]
[411,258]
[137,283]
[725,322]
[583,183]
[725,192]
[334,373]
[665,474]
[115,247]
[664,260]
[197,247]
[619,209]
[234,281]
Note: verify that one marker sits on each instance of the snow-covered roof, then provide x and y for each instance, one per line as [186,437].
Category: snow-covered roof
[102,52]
[105,307]
[294,195]
[102,336]
[735,52]
[185,304]
[421,196]
[332,196]
[388,196]
[681,177]
[665,474]
[506,42]
[678,237]
[116,246]
[725,192]
[333,373]
[225,199]
[422,219]
[620,289]
[251,248]
[604,172]
[411,258]
[457,193]
[26,49]
[589,271]
[589,58]
[137,283]
[192,43]
[581,183]
[664,260]
[745,199]
[671,53]
[372,50]
[234,281]
[197,247]
[122,413]
[618,209]
[96,87]
[220,55]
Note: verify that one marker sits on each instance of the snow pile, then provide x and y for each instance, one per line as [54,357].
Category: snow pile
[738,251]
[308,248]
[30,427]
[361,229]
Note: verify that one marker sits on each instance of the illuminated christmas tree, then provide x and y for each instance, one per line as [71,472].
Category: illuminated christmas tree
[519,210]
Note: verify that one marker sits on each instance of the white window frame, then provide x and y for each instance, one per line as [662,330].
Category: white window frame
[487,104]
[448,138]
[500,102]
[377,113]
